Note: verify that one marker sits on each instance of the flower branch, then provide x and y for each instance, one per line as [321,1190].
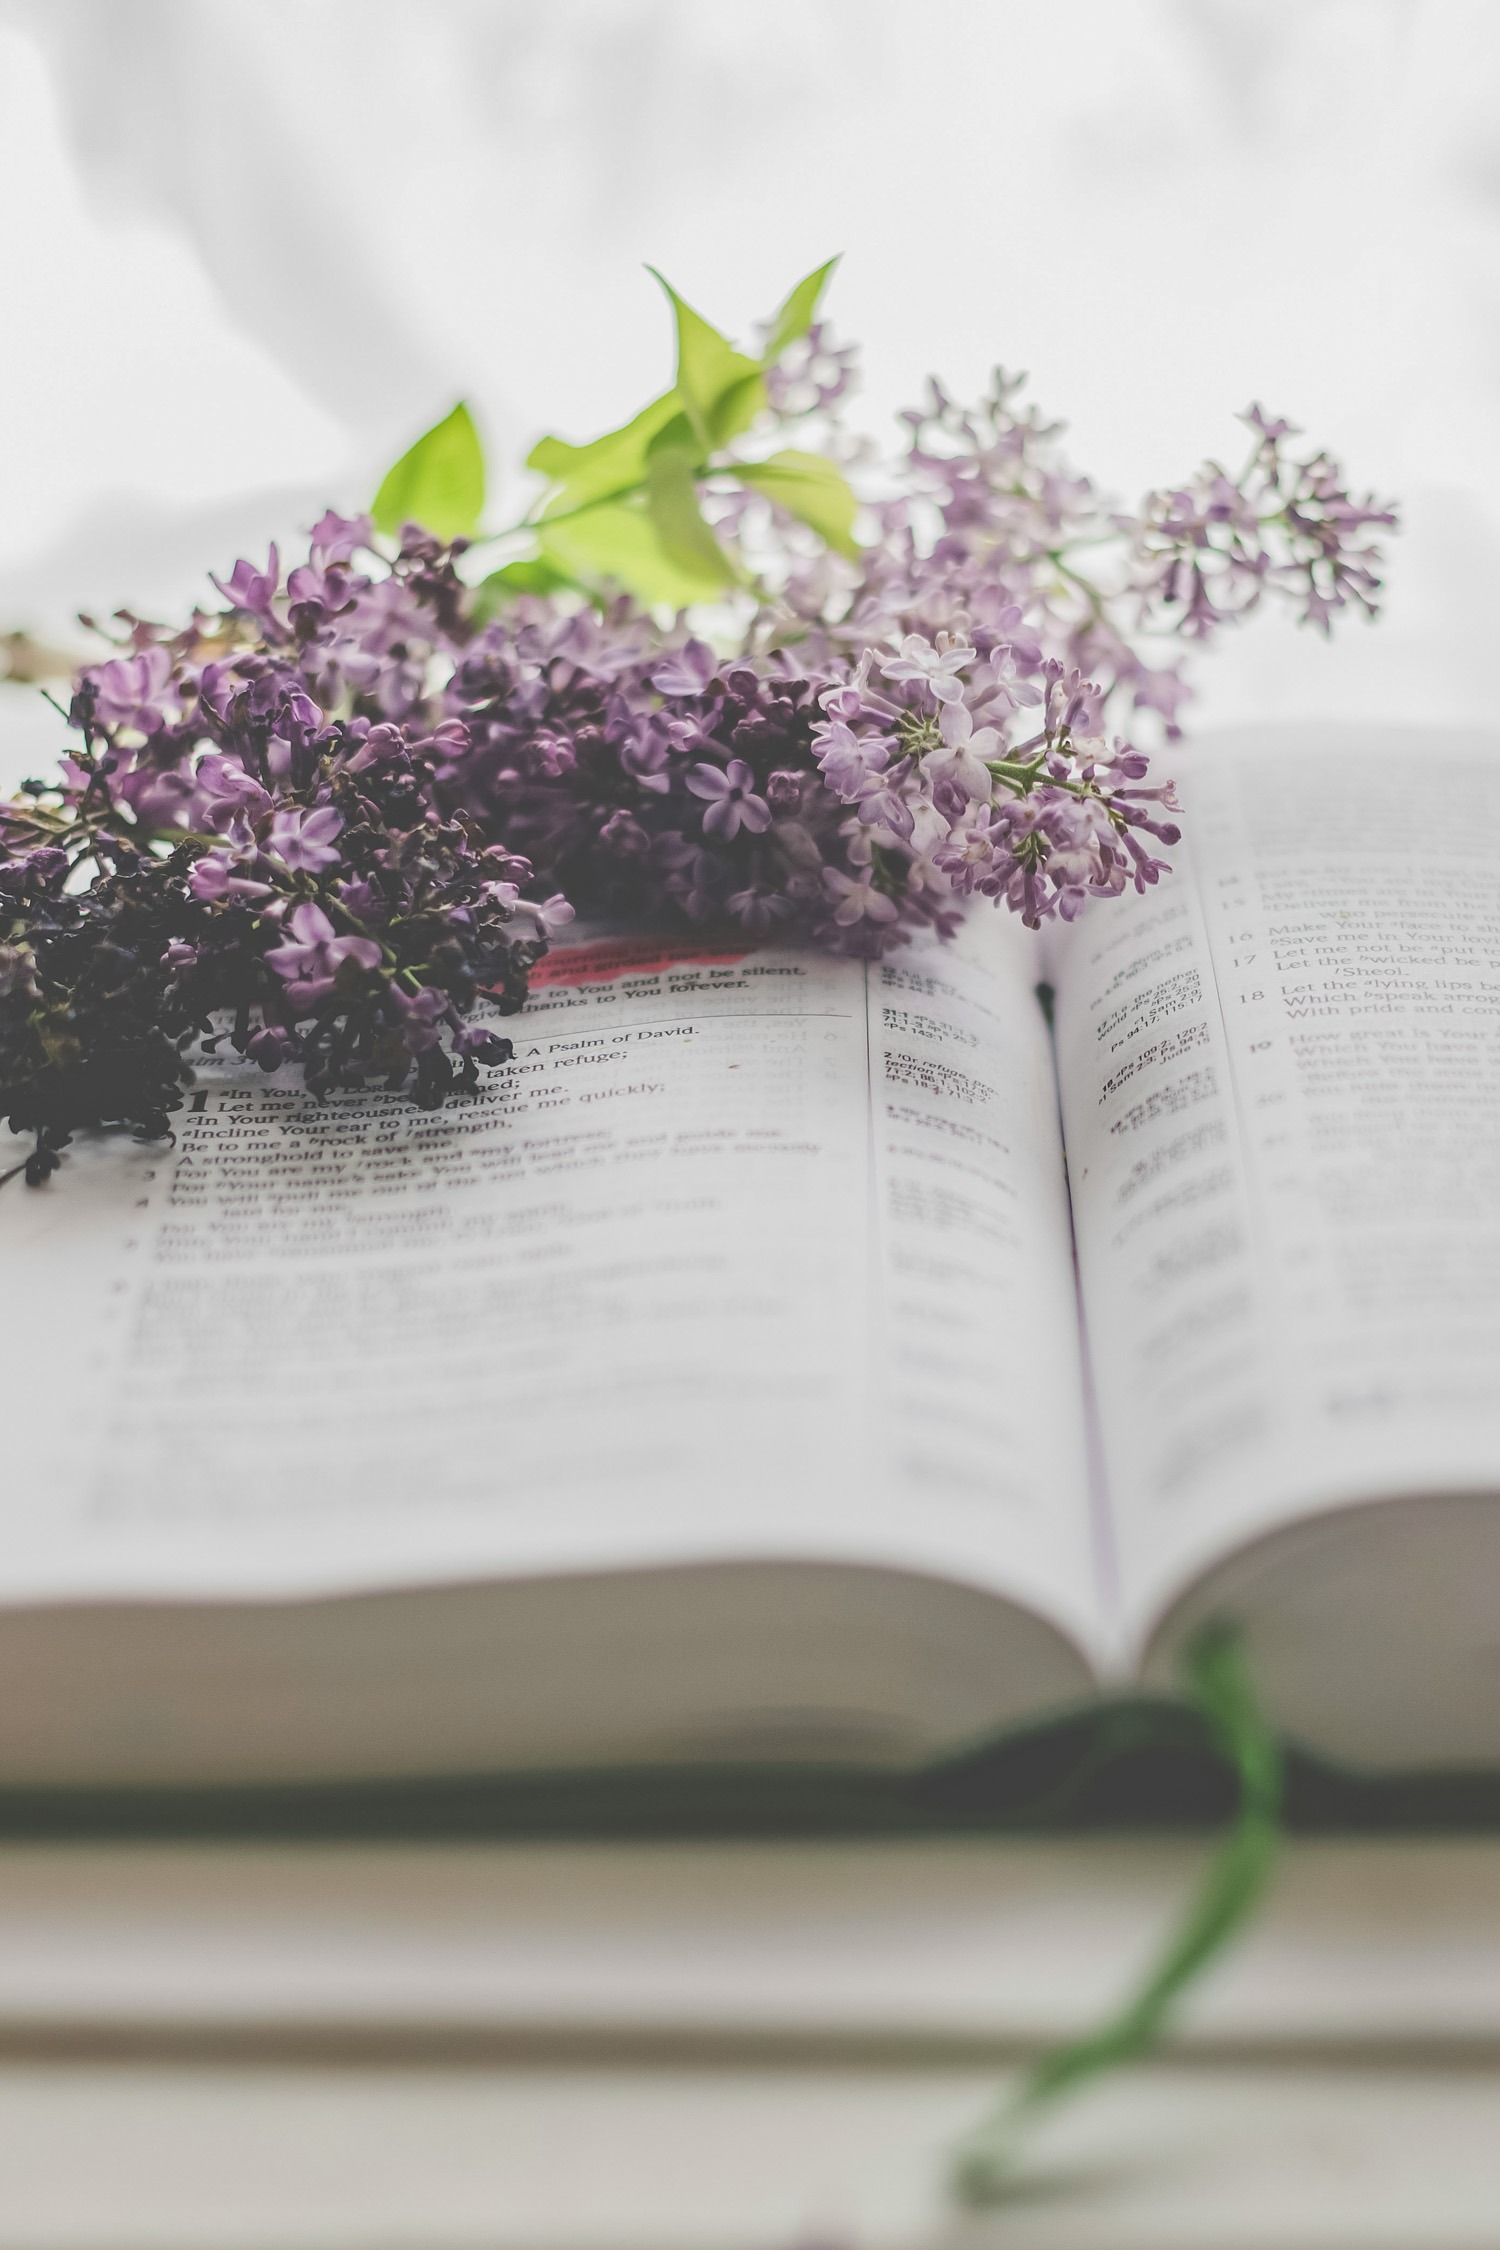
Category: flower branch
[336,821]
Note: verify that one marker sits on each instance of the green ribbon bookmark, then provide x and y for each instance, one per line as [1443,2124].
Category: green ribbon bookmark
[1220,1686]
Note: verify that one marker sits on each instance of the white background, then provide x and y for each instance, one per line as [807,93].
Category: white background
[249,248]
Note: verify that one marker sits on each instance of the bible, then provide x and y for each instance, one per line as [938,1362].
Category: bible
[796,1358]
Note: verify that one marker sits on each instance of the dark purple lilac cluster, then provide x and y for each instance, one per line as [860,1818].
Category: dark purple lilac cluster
[247,843]
[651,778]
[337,821]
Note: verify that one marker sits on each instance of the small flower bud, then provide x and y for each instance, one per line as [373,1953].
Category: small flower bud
[266,1048]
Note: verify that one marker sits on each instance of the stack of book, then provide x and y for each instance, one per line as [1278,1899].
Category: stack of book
[785,1366]
[758,2046]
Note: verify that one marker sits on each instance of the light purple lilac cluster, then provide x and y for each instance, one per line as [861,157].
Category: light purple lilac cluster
[887,739]
[325,820]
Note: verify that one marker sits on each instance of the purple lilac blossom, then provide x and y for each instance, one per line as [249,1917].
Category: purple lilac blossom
[305,839]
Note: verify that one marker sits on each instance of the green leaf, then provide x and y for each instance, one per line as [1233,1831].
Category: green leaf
[719,388]
[737,407]
[810,488]
[718,392]
[534,574]
[618,543]
[439,483]
[798,313]
[672,496]
[611,464]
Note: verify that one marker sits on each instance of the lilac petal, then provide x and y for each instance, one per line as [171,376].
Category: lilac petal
[310,924]
[289,961]
[362,950]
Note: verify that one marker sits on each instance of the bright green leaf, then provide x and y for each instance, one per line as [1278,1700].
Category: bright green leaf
[672,496]
[735,411]
[533,575]
[612,464]
[798,313]
[617,543]
[439,483]
[810,488]
[737,408]
[708,370]
[676,436]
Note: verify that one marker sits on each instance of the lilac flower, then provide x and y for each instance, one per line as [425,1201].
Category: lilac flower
[964,751]
[997,685]
[1268,428]
[422,1014]
[316,595]
[1209,552]
[215,877]
[253,591]
[226,794]
[686,670]
[623,834]
[268,1049]
[813,375]
[858,900]
[759,911]
[732,802]
[1161,689]
[159,797]
[362,900]
[304,840]
[643,750]
[310,965]
[935,666]
[546,916]
[885,804]
[336,539]
[479,1042]
[852,764]
[133,691]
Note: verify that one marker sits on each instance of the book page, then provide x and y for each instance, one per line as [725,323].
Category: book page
[744,1253]
[1281,1092]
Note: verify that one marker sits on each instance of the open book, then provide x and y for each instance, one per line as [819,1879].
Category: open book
[788,1357]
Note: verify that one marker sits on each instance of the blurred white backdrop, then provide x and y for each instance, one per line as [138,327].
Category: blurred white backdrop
[251,247]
